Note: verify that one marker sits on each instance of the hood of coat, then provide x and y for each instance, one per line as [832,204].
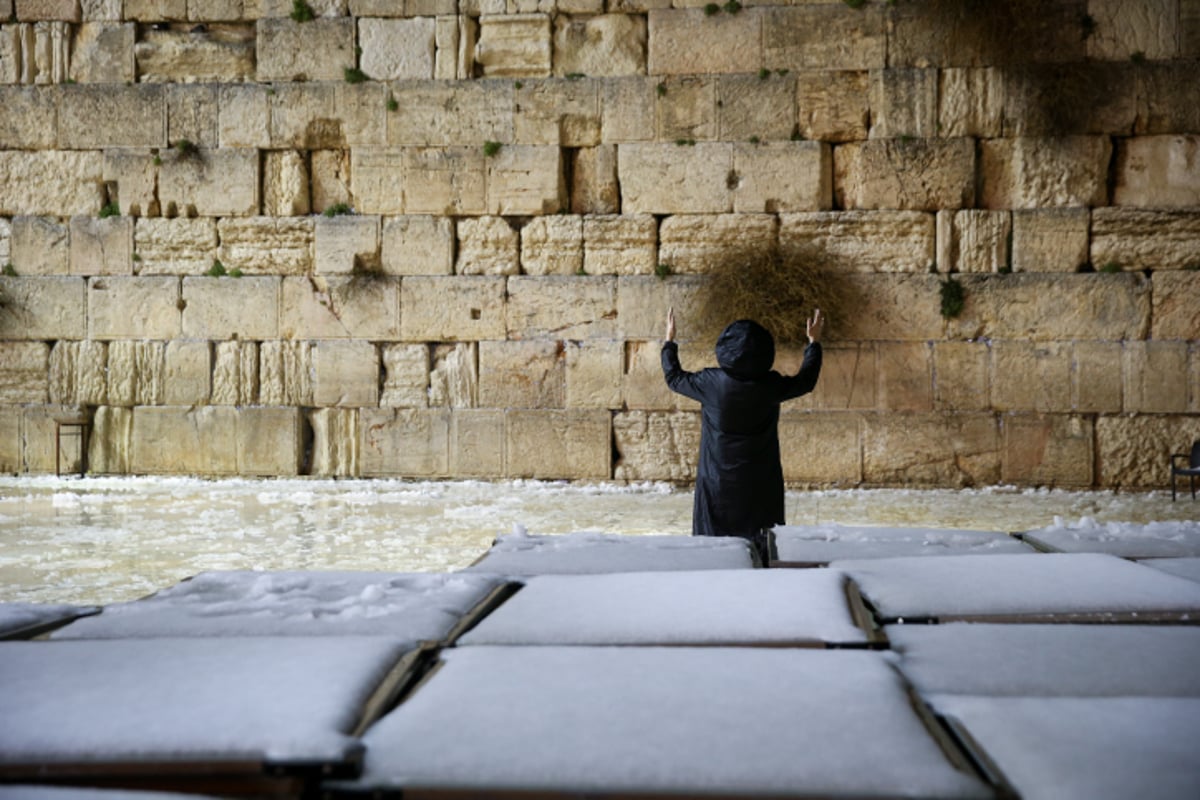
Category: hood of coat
[746,349]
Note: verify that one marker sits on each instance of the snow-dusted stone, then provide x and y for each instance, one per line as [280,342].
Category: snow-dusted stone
[1049,660]
[811,545]
[1095,748]
[595,553]
[1183,567]
[186,702]
[410,608]
[729,607]
[1177,539]
[1093,587]
[23,620]
[572,720]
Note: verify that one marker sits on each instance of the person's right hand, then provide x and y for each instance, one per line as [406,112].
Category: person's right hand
[671,324]
[814,326]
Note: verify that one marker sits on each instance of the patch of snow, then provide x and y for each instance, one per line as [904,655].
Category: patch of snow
[16,617]
[1170,539]
[820,544]
[592,553]
[1182,567]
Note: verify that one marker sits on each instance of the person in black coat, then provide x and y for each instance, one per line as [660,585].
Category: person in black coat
[739,480]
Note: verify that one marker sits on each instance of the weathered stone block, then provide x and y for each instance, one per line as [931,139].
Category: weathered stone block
[155,10]
[447,32]
[417,245]
[1064,99]
[235,373]
[686,41]
[209,183]
[174,440]
[397,48]
[244,116]
[593,373]
[458,113]
[599,46]
[487,246]
[971,102]
[78,373]
[224,308]
[561,307]
[904,103]
[46,10]
[111,441]
[136,372]
[30,121]
[514,46]
[345,374]
[193,114]
[101,246]
[1133,452]
[750,107]
[1124,28]
[1175,305]
[960,376]
[643,385]
[821,448]
[686,108]
[91,117]
[329,178]
[522,374]
[37,444]
[1136,239]
[285,373]
[340,307]
[642,304]
[311,51]
[552,245]
[221,10]
[620,244]
[221,54]
[557,112]
[628,109]
[133,308]
[10,439]
[920,174]
[692,243]
[451,308]
[594,188]
[50,183]
[892,307]
[860,241]
[175,246]
[782,176]
[405,442]
[335,442]
[103,53]
[1158,171]
[347,244]
[1165,88]
[406,376]
[1051,450]
[187,373]
[1038,172]
[270,441]
[971,240]
[441,181]
[937,449]
[1155,377]
[267,245]
[1050,239]
[23,372]
[131,177]
[905,374]
[550,444]
[477,444]
[526,181]
[454,375]
[317,116]
[1031,377]
[833,106]
[656,446]
[285,184]
[675,179]
[848,376]
[1096,384]
[40,246]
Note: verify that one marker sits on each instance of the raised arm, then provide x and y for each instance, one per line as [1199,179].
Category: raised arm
[678,379]
[805,380]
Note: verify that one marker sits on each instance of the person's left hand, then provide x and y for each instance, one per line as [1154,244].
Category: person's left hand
[671,324]
[815,326]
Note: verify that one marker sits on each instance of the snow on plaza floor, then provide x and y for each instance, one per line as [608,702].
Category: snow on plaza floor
[376,637]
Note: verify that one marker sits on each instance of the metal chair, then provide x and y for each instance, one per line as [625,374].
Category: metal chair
[1192,470]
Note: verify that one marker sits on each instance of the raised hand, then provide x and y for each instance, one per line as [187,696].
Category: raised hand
[814,326]
[671,324]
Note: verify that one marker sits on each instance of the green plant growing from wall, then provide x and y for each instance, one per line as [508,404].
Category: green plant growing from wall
[236,272]
[763,73]
[954,298]
[301,11]
[575,76]
[1137,57]
[217,269]
[855,3]
[338,209]
[137,258]
[10,270]
[354,75]
[392,104]
[490,148]
[711,9]
[662,270]
[186,148]
[660,89]
[157,160]
[685,142]
[518,85]
[110,210]
[581,271]
[1110,267]
[732,7]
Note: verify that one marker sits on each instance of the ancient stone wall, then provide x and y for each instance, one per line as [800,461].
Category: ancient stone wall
[520,177]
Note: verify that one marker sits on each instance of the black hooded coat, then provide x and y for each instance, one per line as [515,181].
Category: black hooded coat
[739,480]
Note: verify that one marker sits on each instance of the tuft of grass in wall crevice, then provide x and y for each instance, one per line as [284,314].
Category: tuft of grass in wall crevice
[953,297]
[301,12]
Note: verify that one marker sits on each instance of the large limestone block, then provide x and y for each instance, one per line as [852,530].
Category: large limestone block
[175,246]
[441,181]
[643,385]
[285,184]
[1158,171]
[833,105]
[676,179]
[345,374]
[460,113]
[1062,99]
[244,115]
[686,107]
[406,376]
[523,180]
[397,48]
[340,307]
[285,373]
[1166,89]
[312,116]
[1175,305]
[1037,172]
[454,375]
[194,114]
[131,177]
[133,308]
[103,115]
[79,373]
[861,241]
[782,176]
[417,244]
[594,187]
[5,241]
[209,183]
[960,376]
[329,178]
[310,51]
[593,374]
[30,121]
[335,442]
[1047,450]
[936,449]
[452,308]
[849,376]
[1156,377]
[753,108]
[1122,28]
[642,304]
[156,10]
[224,308]
[222,54]
[270,441]
[971,102]
[557,112]
[1097,383]
[267,245]
[517,374]
[42,308]
[821,448]
[23,372]
[686,41]
[101,246]
[136,372]
[175,440]
[487,246]
[40,246]
[1133,451]
[620,244]
[1028,376]
[514,46]
[574,444]
[50,183]
[37,445]
[656,446]
[919,174]
[1044,308]
[628,108]
[896,307]
[694,243]
[904,102]
[477,443]
[1050,239]
[187,373]
[1135,239]
[824,36]
[111,442]
[10,440]
[235,373]
[562,307]
[599,46]
[347,244]
[904,371]
[45,10]
[410,442]
[552,245]
[972,240]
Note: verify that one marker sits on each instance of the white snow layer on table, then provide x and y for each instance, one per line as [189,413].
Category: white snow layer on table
[1175,539]
[592,553]
[413,607]
[1019,585]
[1049,660]
[739,606]
[285,700]
[820,544]
[16,617]
[684,720]
[1070,748]
[1182,567]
